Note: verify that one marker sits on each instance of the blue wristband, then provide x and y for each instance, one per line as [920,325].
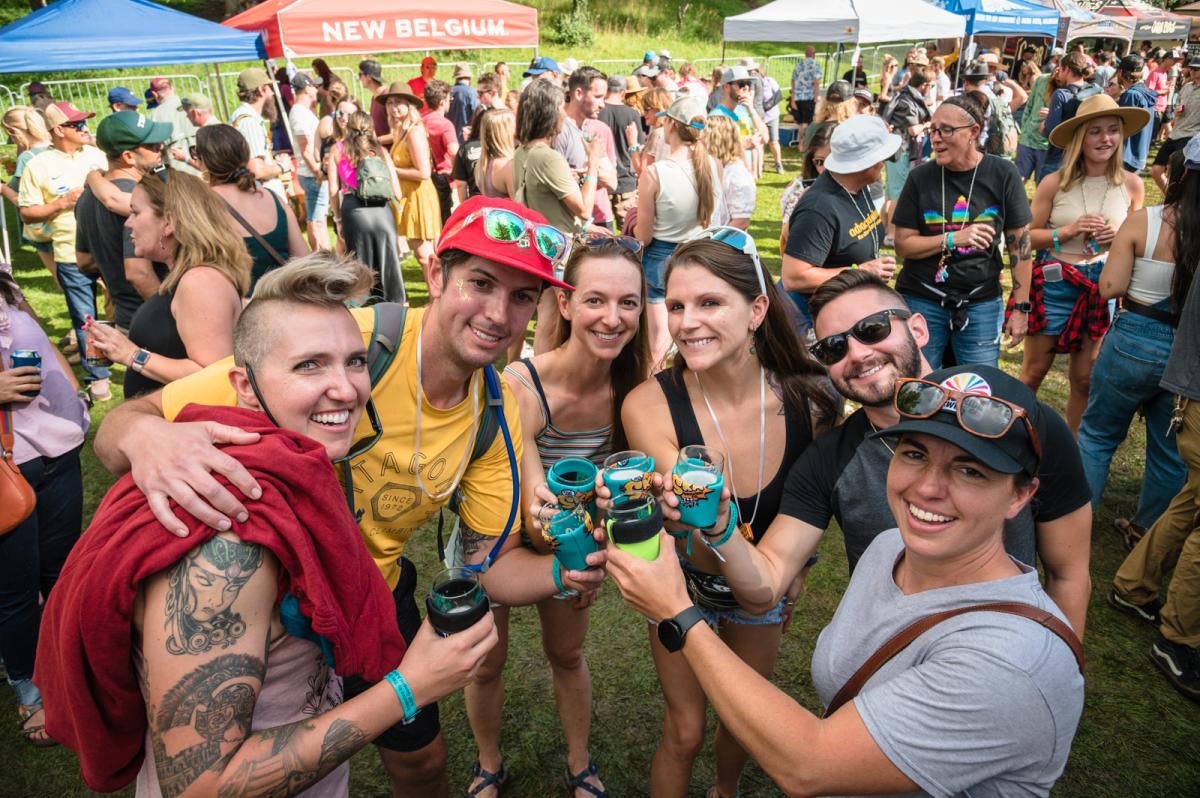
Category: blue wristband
[1054,236]
[404,693]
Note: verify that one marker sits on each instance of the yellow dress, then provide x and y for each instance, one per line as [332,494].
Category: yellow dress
[419,216]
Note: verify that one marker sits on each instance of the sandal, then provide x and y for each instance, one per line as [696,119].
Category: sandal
[29,732]
[580,781]
[1130,532]
[497,779]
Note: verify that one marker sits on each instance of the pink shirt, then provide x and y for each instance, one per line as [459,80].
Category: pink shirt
[56,421]
[441,136]
[1158,81]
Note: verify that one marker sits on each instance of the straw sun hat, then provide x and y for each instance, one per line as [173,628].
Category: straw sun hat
[1132,119]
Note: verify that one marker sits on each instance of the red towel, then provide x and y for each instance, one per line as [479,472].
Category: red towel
[84,660]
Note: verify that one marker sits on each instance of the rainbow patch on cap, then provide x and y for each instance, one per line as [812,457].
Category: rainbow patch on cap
[968,382]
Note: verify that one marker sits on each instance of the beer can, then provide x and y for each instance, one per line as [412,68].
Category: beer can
[94,357]
[26,357]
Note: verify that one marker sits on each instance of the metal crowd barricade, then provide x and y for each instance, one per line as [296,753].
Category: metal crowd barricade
[91,94]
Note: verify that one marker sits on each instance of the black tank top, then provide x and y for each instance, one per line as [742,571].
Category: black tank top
[153,329]
[687,432]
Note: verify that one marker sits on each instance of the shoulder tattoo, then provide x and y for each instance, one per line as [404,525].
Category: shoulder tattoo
[202,589]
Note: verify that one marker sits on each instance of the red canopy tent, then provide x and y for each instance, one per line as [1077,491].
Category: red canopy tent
[294,28]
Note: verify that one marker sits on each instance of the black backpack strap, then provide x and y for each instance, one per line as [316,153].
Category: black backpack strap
[385,338]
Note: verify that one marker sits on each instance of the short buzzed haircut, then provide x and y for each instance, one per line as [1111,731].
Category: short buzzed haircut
[851,280]
[322,278]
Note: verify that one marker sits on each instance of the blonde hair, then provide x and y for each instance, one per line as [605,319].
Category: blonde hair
[321,278]
[203,230]
[701,168]
[723,139]
[497,128]
[657,99]
[1073,168]
[26,125]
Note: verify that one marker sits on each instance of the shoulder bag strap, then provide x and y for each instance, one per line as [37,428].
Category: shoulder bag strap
[908,634]
[257,236]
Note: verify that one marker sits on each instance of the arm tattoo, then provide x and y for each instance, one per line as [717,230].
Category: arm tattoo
[472,540]
[274,776]
[201,591]
[207,711]
[1019,246]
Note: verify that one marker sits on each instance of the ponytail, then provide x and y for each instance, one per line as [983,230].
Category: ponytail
[702,168]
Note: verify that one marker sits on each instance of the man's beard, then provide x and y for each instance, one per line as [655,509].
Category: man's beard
[270,110]
[907,364]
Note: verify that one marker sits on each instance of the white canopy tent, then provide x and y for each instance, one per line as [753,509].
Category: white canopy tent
[844,22]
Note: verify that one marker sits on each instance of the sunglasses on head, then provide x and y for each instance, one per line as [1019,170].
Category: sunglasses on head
[742,242]
[506,227]
[598,240]
[869,330]
[979,414]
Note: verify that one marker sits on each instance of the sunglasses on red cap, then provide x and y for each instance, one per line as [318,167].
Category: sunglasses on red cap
[508,227]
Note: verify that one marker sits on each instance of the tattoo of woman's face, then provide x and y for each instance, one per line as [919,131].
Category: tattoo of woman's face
[201,591]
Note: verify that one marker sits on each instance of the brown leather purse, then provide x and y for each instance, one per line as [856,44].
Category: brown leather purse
[17,499]
[908,634]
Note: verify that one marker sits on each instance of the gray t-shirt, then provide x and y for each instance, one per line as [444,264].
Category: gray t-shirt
[843,475]
[1182,374]
[983,704]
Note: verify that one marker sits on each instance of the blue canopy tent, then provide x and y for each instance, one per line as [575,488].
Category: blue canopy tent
[118,34]
[1005,17]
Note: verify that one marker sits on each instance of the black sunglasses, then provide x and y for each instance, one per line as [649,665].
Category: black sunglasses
[80,125]
[742,84]
[869,330]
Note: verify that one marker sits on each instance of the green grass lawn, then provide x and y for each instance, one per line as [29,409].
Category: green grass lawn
[1137,736]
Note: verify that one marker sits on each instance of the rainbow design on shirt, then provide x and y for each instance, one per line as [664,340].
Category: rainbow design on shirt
[968,382]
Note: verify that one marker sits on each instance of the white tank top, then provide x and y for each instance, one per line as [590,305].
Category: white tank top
[1151,279]
[677,203]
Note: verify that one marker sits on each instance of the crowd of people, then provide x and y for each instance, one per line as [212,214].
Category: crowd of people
[241,616]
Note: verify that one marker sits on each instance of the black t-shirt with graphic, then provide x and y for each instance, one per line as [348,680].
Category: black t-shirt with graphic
[997,198]
[830,229]
[843,475]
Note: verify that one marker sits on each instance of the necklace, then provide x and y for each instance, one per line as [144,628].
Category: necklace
[863,216]
[943,268]
[1091,247]
[762,437]
[470,439]
[881,440]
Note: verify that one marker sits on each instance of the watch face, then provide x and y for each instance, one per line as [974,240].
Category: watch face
[670,635]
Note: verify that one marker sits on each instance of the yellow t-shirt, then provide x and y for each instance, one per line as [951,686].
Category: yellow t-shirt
[50,174]
[385,484]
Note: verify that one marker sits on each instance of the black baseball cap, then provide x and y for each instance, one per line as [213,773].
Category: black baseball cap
[1014,452]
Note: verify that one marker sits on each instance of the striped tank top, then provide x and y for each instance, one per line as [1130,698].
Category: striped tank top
[554,444]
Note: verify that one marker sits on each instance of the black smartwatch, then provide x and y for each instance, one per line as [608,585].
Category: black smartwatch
[1024,307]
[672,631]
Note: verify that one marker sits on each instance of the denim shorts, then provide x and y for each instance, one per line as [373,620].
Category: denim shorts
[1059,297]
[316,197]
[714,617]
[654,265]
[773,129]
[897,174]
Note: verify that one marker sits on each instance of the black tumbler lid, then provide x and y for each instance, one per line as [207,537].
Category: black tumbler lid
[637,530]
